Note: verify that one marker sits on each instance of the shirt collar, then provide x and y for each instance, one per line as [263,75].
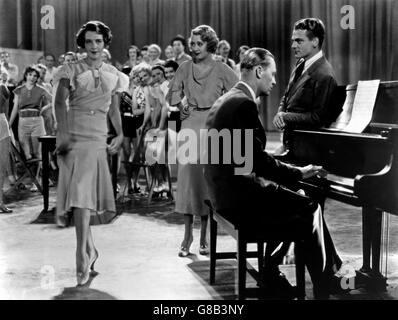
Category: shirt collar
[250,89]
[310,61]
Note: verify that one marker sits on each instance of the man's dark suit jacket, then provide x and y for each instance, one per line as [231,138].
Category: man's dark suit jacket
[309,102]
[228,191]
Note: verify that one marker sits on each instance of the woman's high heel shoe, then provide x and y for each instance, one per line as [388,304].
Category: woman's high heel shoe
[83,276]
[4,209]
[184,250]
[92,261]
[204,249]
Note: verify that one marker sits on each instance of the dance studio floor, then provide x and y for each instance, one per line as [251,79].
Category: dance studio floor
[138,255]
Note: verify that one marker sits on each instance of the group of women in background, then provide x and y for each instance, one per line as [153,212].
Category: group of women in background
[87,94]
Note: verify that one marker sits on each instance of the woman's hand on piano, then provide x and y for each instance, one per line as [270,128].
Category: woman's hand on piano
[311,171]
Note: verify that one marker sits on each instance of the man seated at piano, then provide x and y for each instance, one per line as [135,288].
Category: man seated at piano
[307,101]
[259,197]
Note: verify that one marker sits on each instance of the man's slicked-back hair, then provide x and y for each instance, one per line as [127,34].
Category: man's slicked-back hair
[314,28]
[208,35]
[95,26]
[255,57]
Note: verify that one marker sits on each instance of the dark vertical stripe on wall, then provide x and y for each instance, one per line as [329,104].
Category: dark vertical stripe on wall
[8,26]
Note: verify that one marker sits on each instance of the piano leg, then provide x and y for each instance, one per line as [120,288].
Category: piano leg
[371,239]
[376,241]
[366,238]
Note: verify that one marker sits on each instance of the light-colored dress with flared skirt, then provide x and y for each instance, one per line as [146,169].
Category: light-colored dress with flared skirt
[84,177]
[201,92]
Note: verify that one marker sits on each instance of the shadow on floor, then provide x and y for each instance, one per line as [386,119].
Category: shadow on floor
[224,286]
[83,293]
[76,293]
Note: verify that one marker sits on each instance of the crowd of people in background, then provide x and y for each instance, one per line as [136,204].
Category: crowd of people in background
[30,111]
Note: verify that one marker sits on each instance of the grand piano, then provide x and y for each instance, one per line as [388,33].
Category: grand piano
[363,168]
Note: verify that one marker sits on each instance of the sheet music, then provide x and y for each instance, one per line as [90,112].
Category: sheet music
[345,116]
[362,109]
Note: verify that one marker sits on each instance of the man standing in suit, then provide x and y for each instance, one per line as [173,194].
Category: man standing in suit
[240,197]
[307,102]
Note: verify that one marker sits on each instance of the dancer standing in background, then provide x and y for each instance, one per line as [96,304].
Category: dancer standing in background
[30,101]
[202,81]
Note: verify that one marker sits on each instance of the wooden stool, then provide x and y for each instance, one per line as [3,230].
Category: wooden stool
[243,236]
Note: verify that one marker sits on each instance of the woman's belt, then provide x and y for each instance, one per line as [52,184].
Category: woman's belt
[88,111]
[29,113]
[196,108]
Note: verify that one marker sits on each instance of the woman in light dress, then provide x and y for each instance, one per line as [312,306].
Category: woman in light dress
[202,81]
[84,185]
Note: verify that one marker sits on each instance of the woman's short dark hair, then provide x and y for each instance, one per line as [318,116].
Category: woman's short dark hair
[171,64]
[180,38]
[95,26]
[159,67]
[314,27]
[31,69]
[136,50]
[126,70]
[208,35]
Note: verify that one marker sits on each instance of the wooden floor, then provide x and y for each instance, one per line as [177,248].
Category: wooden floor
[138,254]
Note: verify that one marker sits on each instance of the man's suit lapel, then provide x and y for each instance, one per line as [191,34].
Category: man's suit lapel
[293,87]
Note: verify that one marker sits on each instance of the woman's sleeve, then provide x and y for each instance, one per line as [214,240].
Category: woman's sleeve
[65,72]
[122,84]
[17,90]
[176,86]
[230,77]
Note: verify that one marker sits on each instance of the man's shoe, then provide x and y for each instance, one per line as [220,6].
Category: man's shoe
[278,286]
[337,286]
[334,285]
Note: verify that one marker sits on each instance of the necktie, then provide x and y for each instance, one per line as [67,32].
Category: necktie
[299,71]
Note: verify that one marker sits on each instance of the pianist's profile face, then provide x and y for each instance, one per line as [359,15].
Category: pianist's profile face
[302,46]
[266,78]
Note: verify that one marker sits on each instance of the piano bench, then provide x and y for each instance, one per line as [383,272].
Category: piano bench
[244,236]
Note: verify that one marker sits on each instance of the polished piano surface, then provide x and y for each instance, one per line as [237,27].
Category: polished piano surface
[363,167]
